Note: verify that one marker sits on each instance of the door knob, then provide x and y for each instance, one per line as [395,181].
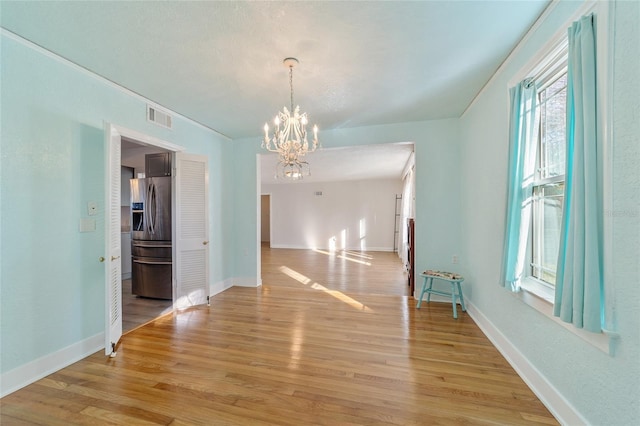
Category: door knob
[101,258]
[204,243]
[115,258]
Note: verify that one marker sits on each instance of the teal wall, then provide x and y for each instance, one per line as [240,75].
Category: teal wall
[437,187]
[604,389]
[52,159]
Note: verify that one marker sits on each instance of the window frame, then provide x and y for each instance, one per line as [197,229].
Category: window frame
[543,71]
[554,67]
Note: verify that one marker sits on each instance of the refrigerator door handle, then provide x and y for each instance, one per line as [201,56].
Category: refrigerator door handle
[137,243]
[151,262]
[152,207]
[147,206]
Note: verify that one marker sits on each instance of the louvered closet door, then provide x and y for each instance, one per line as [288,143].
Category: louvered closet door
[113,285]
[192,230]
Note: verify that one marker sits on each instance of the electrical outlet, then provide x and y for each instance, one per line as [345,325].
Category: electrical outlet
[455,259]
[92,208]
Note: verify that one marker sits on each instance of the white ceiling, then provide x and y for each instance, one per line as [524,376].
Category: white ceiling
[383,161]
[362,63]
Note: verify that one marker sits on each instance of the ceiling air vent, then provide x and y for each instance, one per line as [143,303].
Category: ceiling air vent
[159,117]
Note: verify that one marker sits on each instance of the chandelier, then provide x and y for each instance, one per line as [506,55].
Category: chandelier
[289,138]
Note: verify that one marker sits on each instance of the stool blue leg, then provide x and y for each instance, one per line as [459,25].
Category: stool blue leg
[453,299]
[430,285]
[461,296]
[424,288]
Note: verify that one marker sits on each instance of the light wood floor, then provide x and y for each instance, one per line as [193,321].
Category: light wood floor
[345,271]
[307,347]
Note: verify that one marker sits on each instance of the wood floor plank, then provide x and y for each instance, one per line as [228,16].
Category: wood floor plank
[328,339]
[135,415]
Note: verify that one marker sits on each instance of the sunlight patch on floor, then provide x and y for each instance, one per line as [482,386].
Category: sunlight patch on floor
[328,253]
[357,254]
[340,256]
[295,275]
[297,340]
[337,294]
[342,297]
[354,260]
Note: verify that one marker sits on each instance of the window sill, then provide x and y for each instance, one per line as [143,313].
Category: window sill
[539,289]
[540,297]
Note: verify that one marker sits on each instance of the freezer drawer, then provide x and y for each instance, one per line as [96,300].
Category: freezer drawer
[151,277]
[156,249]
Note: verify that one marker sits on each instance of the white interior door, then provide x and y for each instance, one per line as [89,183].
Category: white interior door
[191,227]
[113,284]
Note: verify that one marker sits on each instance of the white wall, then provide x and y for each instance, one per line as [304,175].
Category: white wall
[353,215]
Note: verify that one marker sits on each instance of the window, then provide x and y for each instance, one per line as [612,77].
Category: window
[548,185]
[538,240]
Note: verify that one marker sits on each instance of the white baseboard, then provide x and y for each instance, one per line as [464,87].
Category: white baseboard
[246,282]
[220,286]
[287,246]
[293,247]
[35,370]
[562,409]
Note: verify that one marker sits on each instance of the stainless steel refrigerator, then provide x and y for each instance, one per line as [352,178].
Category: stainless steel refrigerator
[151,237]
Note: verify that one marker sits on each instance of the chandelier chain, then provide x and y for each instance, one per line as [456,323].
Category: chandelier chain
[291,85]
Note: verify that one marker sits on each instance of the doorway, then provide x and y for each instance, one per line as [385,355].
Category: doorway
[373,176]
[137,310]
[265,219]
[189,227]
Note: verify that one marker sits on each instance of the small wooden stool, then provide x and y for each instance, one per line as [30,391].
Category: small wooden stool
[453,279]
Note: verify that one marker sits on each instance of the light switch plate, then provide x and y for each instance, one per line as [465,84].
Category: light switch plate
[87,225]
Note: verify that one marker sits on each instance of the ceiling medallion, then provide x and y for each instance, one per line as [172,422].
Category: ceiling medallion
[289,137]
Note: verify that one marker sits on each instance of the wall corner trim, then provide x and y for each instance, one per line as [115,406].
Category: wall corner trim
[35,370]
[557,404]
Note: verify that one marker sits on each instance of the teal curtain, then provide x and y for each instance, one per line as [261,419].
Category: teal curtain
[579,286]
[522,157]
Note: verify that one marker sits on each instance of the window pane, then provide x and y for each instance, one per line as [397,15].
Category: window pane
[553,128]
[548,202]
